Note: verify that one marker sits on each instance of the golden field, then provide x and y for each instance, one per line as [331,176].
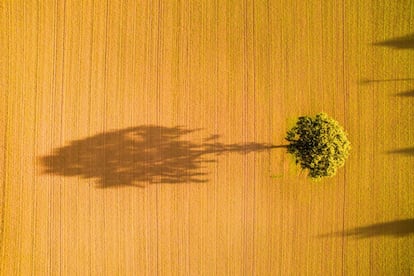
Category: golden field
[135,137]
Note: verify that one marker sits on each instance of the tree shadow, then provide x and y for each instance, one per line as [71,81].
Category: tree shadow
[404,151]
[368,81]
[403,42]
[398,228]
[141,155]
[406,94]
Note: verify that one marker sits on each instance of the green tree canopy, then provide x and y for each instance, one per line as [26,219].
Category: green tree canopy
[319,145]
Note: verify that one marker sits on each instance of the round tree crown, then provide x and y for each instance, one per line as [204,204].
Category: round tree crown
[319,145]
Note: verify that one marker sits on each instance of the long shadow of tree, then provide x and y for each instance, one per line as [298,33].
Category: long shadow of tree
[403,42]
[399,43]
[368,81]
[398,228]
[404,151]
[140,155]
[409,93]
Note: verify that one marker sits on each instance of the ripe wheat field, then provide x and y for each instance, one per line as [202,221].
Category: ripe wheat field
[135,137]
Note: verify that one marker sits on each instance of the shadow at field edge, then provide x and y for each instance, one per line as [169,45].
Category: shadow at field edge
[404,151]
[368,81]
[397,228]
[141,155]
[409,93]
[403,42]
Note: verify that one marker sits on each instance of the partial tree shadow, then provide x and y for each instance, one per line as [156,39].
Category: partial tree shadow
[404,151]
[368,81]
[141,155]
[403,42]
[406,94]
[398,228]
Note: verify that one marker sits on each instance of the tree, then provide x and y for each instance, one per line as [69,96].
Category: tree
[319,144]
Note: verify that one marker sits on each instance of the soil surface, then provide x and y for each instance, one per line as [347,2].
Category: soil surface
[140,137]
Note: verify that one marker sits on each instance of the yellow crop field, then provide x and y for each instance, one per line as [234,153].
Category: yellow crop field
[140,137]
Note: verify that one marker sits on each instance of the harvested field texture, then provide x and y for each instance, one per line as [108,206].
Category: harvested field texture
[143,137]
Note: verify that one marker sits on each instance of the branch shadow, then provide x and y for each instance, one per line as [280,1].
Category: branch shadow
[403,42]
[141,155]
[398,228]
[404,151]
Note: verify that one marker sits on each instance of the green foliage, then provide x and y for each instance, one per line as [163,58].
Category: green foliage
[319,145]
